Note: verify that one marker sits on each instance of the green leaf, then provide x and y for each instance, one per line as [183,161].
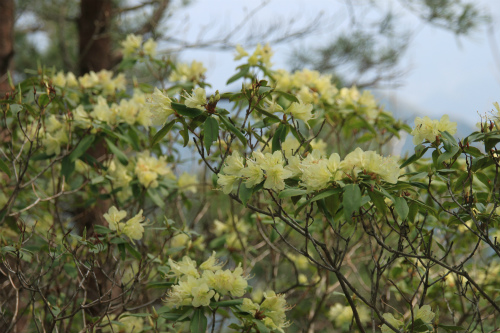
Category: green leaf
[410,160]
[198,121]
[231,302]
[233,129]
[136,254]
[419,326]
[43,100]
[210,132]
[476,136]
[123,254]
[186,111]
[490,141]
[5,168]
[101,230]
[318,196]
[473,151]
[118,241]
[292,192]
[264,90]
[133,138]
[424,207]
[288,96]
[161,133]
[245,194]
[6,249]
[15,108]
[268,114]
[448,137]
[184,131]
[484,179]
[97,180]
[117,152]
[198,321]
[447,155]
[378,201]
[460,182]
[155,197]
[244,71]
[351,200]
[127,63]
[41,157]
[261,326]
[401,207]
[279,137]
[170,316]
[451,327]
[67,167]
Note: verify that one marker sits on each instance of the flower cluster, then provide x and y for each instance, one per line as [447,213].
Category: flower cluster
[133,228]
[197,287]
[428,129]
[197,99]
[372,163]
[125,323]
[55,135]
[261,55]
[315,171]
[130,111]
[102,80]
[424,313]
[132,45]
[261,166]
[309,86]
[342,315]
[159,107]
[149,168]
[183,72]
[351,100]
[271,310]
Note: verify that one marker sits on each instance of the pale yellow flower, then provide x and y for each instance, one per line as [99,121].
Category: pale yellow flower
[301,111]
[160,107]
[197,99]
[114,217]
[131,44]
[428,129]
[274,307]
[150,48]
[133,227]
[186,266]
[59,79]
[201,295]
[240,52]
[211,264]
[275,177]
[233,164]
[185,72]
[253,174]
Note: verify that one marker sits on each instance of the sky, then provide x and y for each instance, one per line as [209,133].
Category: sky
[447,75]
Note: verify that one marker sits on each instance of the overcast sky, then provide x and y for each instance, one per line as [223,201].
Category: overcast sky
[447,75]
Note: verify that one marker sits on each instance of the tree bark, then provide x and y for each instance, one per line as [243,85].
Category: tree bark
[6,42]
[94,37]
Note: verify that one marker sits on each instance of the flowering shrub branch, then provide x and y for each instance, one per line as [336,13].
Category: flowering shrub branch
[112,193]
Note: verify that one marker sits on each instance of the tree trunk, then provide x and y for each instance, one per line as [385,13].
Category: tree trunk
[94,37]
[6,42]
